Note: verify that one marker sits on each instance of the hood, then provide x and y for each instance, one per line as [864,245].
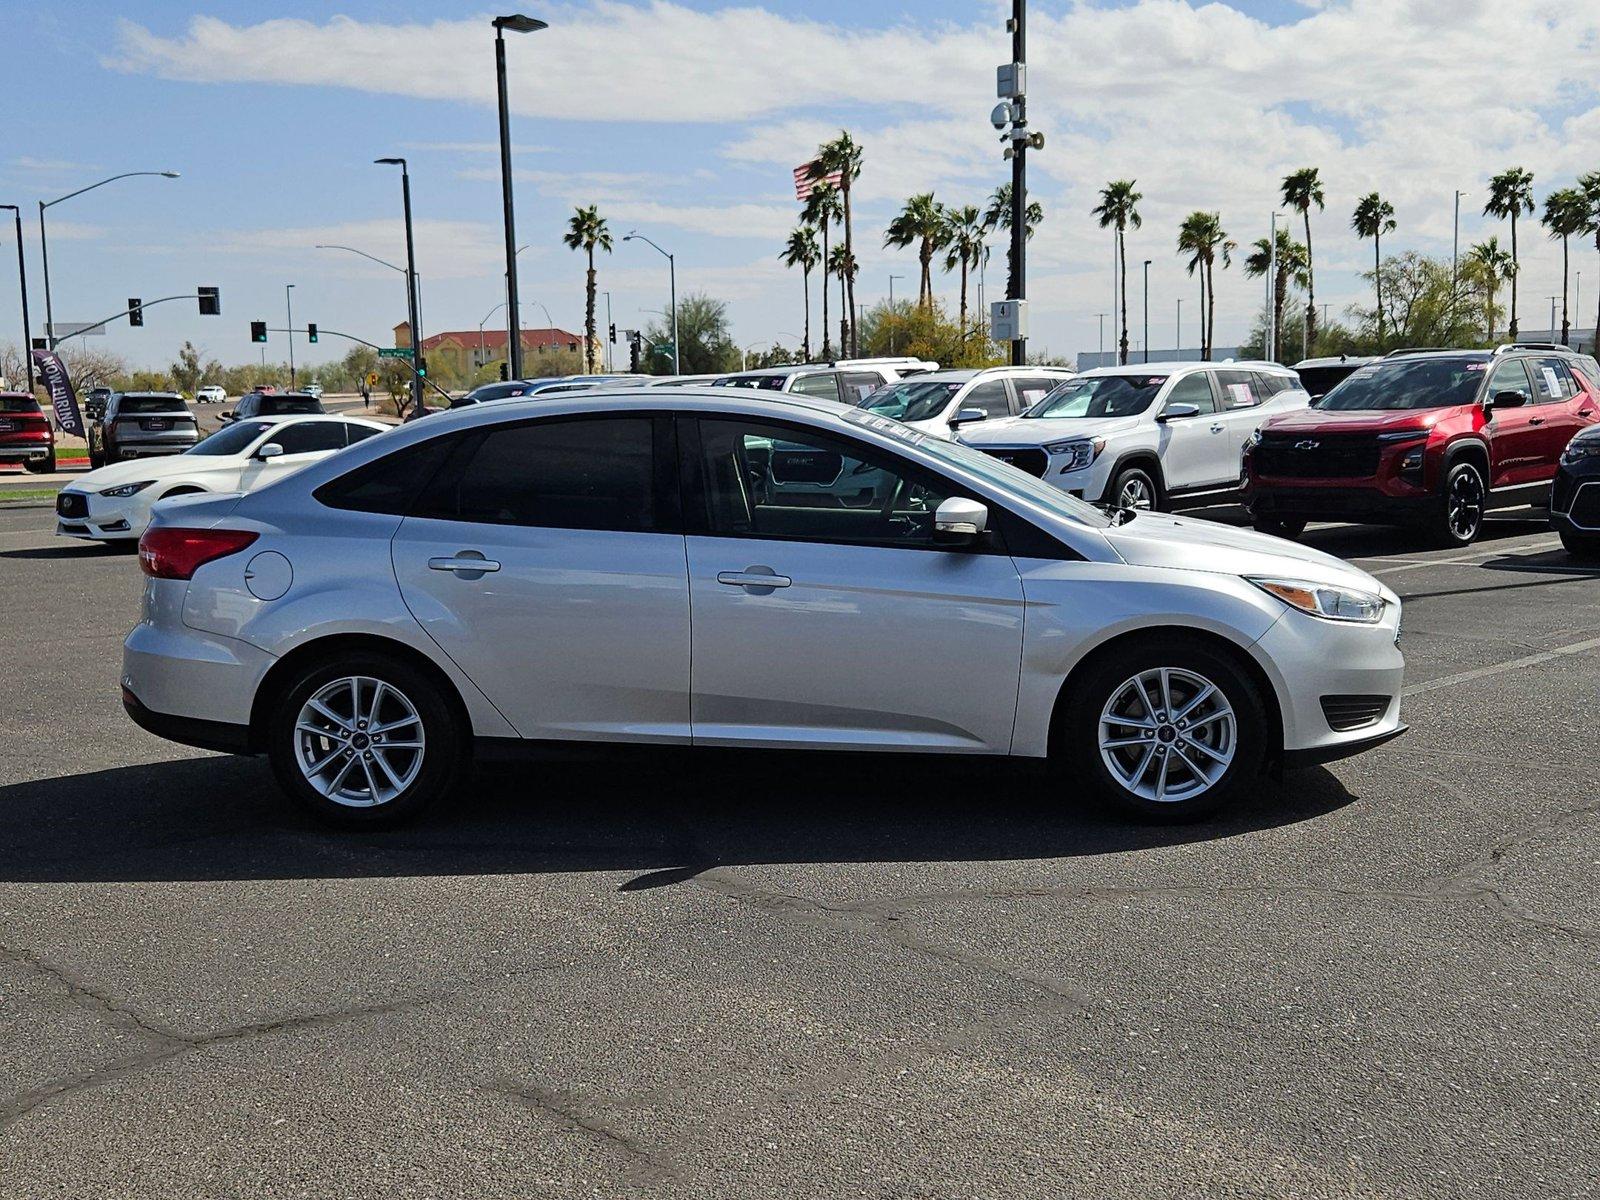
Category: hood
[1313,420]
[1037,431]
[135,470]
[1161,540]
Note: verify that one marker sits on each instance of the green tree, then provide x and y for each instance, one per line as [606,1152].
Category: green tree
[843,266]
[1511,195]
[822,208]
[1119,208]
[926,331]
[1566,214]
[1288,267]
[1374,217]
[998,216]
[704,343]
[801,251]
[843,155]
[587,231]
[1491,266]
[1302,189]
[920,223]
[966,248]
[1203,239]
[187,370]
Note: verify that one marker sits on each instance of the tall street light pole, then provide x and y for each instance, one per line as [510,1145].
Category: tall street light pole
[607,343]
[1455,252]
[44,244]
[418,363]
[382,263]
[517,24]
[672,274]
[1147,310]
[1177,331]
[22,282]
[1019,173]
[1102,349]
[288,308]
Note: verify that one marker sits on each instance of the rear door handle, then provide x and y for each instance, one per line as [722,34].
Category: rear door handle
[759,580]
[468,562]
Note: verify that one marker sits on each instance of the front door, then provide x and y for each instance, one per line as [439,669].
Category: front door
[1195,451]
[1515,440]
[301,443]
[845,627]
[542,560]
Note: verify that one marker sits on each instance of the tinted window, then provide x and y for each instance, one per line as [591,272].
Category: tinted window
[1404,383]
[990,396]
[308,437]
[769,383]
[18,404]
[359,433]
[230,439]
[1319,381]
[1193,389]
[1238,389]
[136,405]
[387,484]
[858,385]
[1100,396]
[912,400]
[1270,385]
[248,406]
[493,391]
[282,406]
[770,481]
[1552,382]
[1510,377]
[586,474]
[825,385]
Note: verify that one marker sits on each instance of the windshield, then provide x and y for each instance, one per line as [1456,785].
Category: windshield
[989,469]
[771,383]
[912,400]
[231,439]
[18,404]
[290,404]
[150,404]
[1099,396]
[1408,383]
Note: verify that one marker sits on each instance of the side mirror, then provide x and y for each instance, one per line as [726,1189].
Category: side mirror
[1179,412]
[225,416]
[1508,400]
[967,416]
[270,450]
[959,521]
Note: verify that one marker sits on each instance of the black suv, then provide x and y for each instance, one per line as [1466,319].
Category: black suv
[273,404]
[141,425]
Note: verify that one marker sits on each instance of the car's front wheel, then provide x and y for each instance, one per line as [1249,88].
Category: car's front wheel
[365,740]
[1458,514]
[1135,488]
[1167,730]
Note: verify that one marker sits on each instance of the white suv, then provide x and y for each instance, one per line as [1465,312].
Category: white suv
[1154,435]
[847,380]
[940,402]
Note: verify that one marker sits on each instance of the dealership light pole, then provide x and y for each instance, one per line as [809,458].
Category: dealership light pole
[382,263]
[44,245]
[672,275]
[1177,331]
[1455,252]
[418,364]
[22,282]
[1102,349]
[517,23]
[1147,309]
[288,308]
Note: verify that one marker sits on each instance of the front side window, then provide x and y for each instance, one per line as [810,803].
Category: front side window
[1193,389]
[595,473]
[823,384]
[308,437]
[1509,376]
[1032,388]
[1411,383]
[1099,396]
[990,397]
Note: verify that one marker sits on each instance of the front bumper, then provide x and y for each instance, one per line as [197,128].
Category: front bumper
[1334,503]
[107,519]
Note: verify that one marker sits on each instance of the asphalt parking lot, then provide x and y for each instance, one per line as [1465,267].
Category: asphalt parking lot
[742,977]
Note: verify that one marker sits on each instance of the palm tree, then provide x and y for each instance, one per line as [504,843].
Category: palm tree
[1302,189]
[843,265]
[1493,267]
[1566,212]
[1589,188]
[998,216]
[1288,267]
[587,231]
[1374,217]
[1203,239]
[843,155]
[801,251]
[920,223]
[1118,209]
[1511,193]
[822,208]
[965,247]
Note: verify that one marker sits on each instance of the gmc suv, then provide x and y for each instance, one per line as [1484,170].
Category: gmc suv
[1431,437]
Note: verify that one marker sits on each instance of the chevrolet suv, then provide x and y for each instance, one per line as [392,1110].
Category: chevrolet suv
[1428,437]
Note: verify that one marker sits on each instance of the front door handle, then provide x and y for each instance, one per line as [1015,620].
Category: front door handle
[758,581]
[1535,420]
[1218,428]
[468,562]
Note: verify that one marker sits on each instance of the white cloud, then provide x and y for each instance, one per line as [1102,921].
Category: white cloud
[445,249]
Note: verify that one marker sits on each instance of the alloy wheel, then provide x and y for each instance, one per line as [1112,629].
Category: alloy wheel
[359,741]
[1168,735]
[1464,505]
[1136,493]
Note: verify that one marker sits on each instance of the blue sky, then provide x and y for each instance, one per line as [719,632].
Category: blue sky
[683,120]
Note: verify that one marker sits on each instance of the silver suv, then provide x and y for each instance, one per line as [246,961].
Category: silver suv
[141,425]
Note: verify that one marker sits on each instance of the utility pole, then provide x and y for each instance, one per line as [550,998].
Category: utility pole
[288,308]
[1177,330]
[22,281]
[1270,349]
[1455,253]
[1102,347]
[1147,310]
[517,24]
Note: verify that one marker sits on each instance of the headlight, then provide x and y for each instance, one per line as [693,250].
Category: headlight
[1323,600]
[127,489]
[1079,452]
[1580,448]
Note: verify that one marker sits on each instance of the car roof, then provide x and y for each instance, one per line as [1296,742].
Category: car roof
[152,395]
[301,418]
[1338,360]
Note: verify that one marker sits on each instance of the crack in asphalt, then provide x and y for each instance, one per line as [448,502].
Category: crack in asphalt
[644,1167]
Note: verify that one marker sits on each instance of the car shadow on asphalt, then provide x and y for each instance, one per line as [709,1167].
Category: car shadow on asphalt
[663,816]
[75,550]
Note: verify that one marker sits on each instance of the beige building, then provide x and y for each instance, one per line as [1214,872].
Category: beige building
[466,350]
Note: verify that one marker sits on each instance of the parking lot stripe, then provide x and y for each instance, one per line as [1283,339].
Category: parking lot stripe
[1516,664]
[1471,559]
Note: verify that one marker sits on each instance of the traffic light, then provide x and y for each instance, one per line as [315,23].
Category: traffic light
[258,331]
[505,372]
[210,301]
[422,368]
[311,331]
[633,351]
[135,312]
[613,333]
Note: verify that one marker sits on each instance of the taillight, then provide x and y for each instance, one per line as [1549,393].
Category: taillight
[172,553]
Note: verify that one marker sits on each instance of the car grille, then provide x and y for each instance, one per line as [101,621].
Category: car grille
[1345,713]
[1585,509]
[1034,462]
[72,504]
[1317,457]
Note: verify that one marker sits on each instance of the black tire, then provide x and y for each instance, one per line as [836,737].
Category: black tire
[1457,518]
[41,466]
[96,461]
[443,756]
[1078,741]
[1284,527]
[1586,546]
[1132,480]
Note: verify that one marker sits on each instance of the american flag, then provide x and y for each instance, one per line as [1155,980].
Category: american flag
[804,183]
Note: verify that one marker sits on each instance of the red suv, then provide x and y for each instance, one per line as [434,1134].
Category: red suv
[1431,437]
[25,434]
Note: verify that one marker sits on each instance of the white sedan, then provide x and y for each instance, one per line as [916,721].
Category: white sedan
[114,502]
[211,394]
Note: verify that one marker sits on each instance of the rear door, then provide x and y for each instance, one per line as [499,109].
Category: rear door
[545,559]
[1558,399]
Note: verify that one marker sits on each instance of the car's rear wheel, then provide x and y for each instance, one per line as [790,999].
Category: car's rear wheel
[41,466]
[1284,527]
[1135,488]
[365,740]
[1580,545]
[1458,513]
[1167,730]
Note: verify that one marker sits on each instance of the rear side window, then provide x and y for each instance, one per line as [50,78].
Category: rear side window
[1268,385]
[388,484]
[858,385]
[1552,382]
[583,474]
[824,384]
[1238,389]
[1032,389]
[359,433]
